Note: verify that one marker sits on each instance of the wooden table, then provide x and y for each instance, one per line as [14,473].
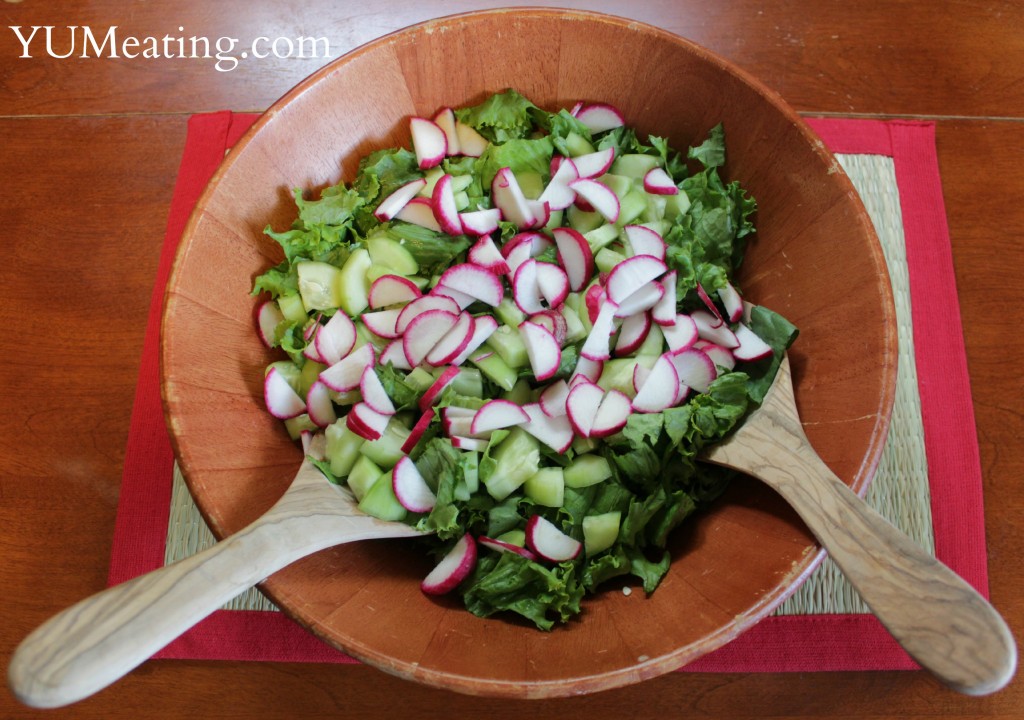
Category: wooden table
[90,149]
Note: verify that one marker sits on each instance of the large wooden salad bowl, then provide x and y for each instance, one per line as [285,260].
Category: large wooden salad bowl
[815,259]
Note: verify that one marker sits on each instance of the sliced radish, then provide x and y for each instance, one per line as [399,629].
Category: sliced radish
[640,374]
[557,194]
[461,299]
[632,333]
[732,302]
[597,346]
[367,422]
[460,442]
[393,203]
[471,143]
[659,182]
[335,339]
[345,374]
[460,426]
[382,323]
[720,356]
[553,397]
[454,342]
[541,212]
[428,141]
[680,335]
[483,327]
[497,414]
[612,414]
[508,197]
[581,406]
[319,406]
[632,274]
[486,254]
[432,393]
[281,399]
[710,305]
[595,164]
[424,332]
[268,317]
[587,369]
[599,117]
[555,432]
[598,196]
[474,281]
[445,119]
[642,300]
[418,430]
[694,368]
[576,256]
[454,567]
[421,305]
[751,347]
[713,329]
[502,546]
[392,290]
[550,543]
[664,311]
[374,394]
[576,108]
[542,349]
[554,322]
[394,355]
[553,283]
[480,222]
[659,389]
[442,203]
[410,488]
[593,298]
[526,288]
[645,241]
[419,211]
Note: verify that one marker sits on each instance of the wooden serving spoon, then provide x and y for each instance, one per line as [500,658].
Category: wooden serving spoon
[940,620]
[88,646]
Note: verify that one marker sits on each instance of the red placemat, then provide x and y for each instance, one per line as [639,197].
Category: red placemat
[795,643]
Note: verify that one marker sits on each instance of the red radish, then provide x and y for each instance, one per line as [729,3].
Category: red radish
[576,256]
[508,197]
[460,426]
[309,446]
[553,283]
[583,205]
[455,411]
[709,304]
[595,164]
[392,290]
[526,288]
[694,368]
[454,342]
[471,143]
[345,374]
[720,356]
[486,254]
[576,108]
[434,391]
[588,370]
[442,204]
[599,117]
[664,311]
[454,567]
[714,329]
[659,389]
[319,405]
[268,317]
[424,332]
[599,196]
[641,301]
[553,398]
[410,488]
[680,335]
[535,243]
[374,394]
[281,399]
[460,442]
[581,407]
[632,274]
[421,305]
[382,323]
[542,349]
[732,302]
[394,355]
[640,375]
[633,333]
[311,352]
[390,206]
[419,211]
[597,346]
[555,432]
[751,347]
[594,299]
[644,241]
[483,326]
[461,299]
[612,415]
[335,339]
[497,414]
[367,422]
[417,430]
[480,222]
[445,119]
[502,546]
[474,281]
[554,322]
[428,141]
[558,195]
[541,212]
[659,182]
[550,543]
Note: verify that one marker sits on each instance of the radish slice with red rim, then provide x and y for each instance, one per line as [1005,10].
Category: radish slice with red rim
[453,568]
[550,543]
[410,488]
[281,399]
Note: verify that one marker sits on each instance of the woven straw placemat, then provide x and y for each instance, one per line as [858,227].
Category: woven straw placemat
[899,490]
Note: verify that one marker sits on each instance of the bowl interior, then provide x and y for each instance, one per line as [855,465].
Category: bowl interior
[814,258]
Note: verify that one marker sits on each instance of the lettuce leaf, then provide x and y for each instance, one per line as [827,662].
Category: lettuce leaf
[502,117]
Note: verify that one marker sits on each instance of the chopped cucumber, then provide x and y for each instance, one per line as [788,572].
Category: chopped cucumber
[531,183]
[469,382]
[574,329]
[309,374]
[289,371]
[618,184]
[513,537]
[606,259]
[292,308]
[600,531]
[495,368]
[508,344]
[587,470]
[391,253]
[634,165]
[362,476]
[653,344]
[583,221]
[516,459]
[521,393]
[676,205]
[354,288]
[297,424]
[469,483]
[386,450]
[380,501]
[342,448]
[601,236]
[617,374]
[632,207]
[321,285]
[576,144]
[509,313]
[419,379]
[546,487]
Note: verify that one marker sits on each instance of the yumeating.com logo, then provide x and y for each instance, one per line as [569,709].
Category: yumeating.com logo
[74,41]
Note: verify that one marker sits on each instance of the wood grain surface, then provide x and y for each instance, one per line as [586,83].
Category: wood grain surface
[89,155]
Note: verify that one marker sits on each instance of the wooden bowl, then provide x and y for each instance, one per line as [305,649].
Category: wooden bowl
[815,259]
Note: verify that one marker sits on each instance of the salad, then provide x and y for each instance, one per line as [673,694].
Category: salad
[518,335]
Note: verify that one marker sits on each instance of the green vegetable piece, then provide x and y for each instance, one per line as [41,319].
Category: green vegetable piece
[546,487]
[354,289]
[380,500]
[516,459]
[587,470]
[363,476]
[320,285]
[342,448]
[600,531]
